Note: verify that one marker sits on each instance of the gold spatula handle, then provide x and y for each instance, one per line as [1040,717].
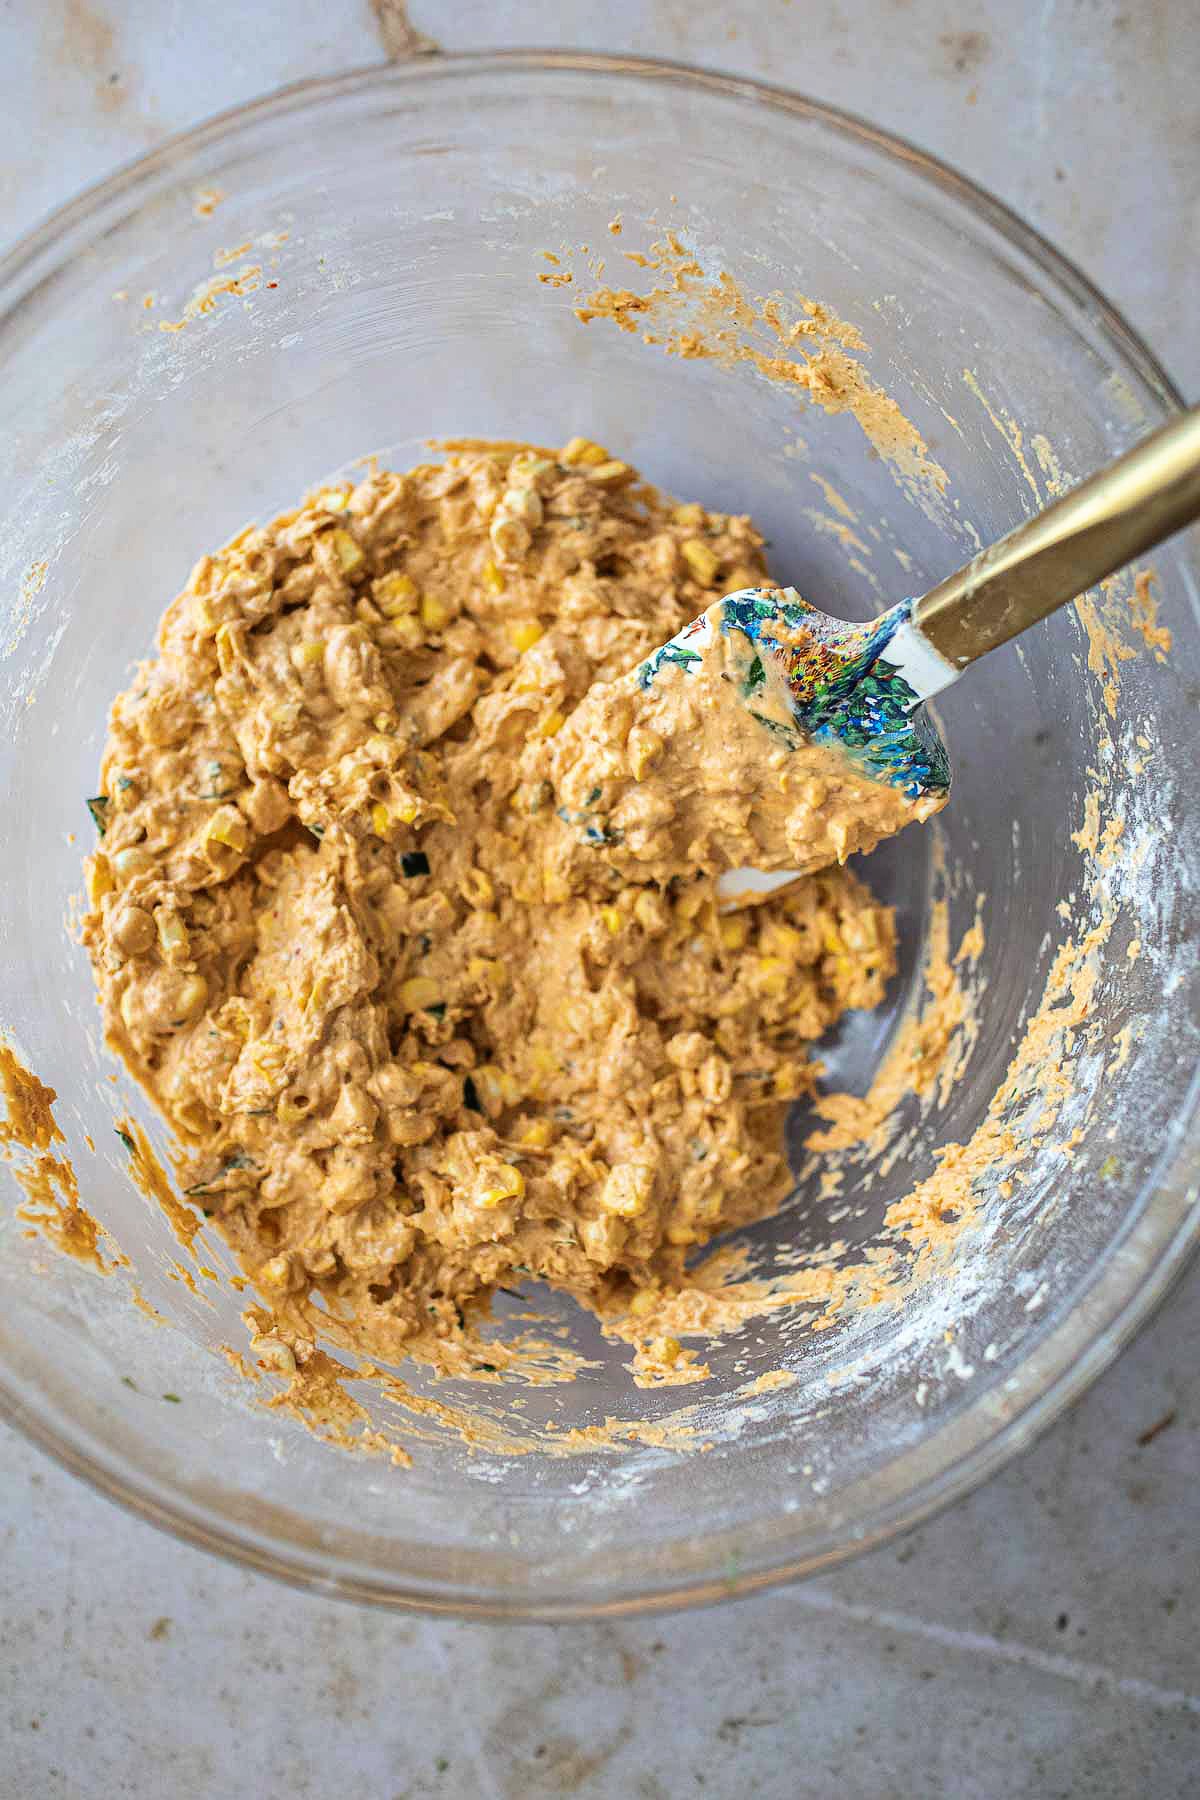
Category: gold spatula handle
[1112,517]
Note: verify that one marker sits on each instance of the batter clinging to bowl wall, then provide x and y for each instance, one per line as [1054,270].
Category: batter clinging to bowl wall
[424,1018]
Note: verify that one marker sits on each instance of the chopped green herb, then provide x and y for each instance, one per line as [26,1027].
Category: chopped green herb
[125,1139]
[215,1183]
[593,796]
[1109,1168]
[488,1368]
[98,807]
[414,862]
[124,784]
[129,1382]
[317,831]
[173,1398]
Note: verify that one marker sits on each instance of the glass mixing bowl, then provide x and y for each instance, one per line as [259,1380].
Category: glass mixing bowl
[398,217]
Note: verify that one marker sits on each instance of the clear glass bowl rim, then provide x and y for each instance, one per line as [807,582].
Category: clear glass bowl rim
[1129,1286]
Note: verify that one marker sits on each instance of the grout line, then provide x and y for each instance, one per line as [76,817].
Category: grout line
[1024,1656]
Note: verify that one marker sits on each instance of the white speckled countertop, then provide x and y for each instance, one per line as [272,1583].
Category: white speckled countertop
[1039,1639]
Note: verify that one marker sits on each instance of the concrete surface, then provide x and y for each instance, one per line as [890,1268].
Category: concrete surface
[1041,1638]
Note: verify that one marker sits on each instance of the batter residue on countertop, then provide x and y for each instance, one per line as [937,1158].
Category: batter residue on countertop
[423,966]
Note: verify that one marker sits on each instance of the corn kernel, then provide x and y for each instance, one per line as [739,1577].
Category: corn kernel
[172,934]
[701,560]
[267,1058]
[277,1273]
[773,975]
[682,1234]
[537,1133]
[395,595]
[690,514]
[542,1060]
[99,879]
[493,580]
[582,450]
[227,827]
[406,631]
[307,654]
[527,465]
[734,929]
[510,537]
[523,503]
[418,993]
[523,634]
[650,911]
[483,968]
[627,1190]
[496,1087]
[690,902]
[488,1086]
[235,1018]
[550,725]
[406,809]
[644,746]
[612,918]
[509,1185]
[435,614]
[610,474]
[350,554]
[666,1350]
[333,499]
[226,649]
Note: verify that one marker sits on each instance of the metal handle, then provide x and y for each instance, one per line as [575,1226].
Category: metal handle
[1151,492]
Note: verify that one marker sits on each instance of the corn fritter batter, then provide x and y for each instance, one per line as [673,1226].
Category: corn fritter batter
[430,1003]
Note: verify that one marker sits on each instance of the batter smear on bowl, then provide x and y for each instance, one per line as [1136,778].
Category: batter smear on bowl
[424,967]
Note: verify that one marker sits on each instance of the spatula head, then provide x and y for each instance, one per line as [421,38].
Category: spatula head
[808,677]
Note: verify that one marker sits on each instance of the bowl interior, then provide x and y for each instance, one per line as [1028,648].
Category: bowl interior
[368,280]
